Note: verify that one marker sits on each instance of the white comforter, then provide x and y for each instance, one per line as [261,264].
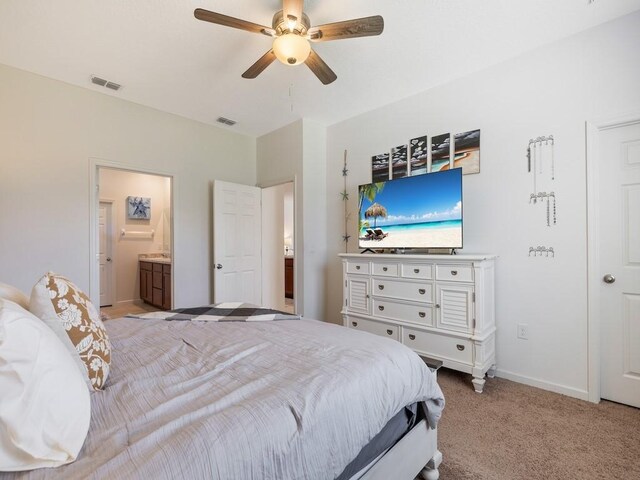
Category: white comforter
[273,400]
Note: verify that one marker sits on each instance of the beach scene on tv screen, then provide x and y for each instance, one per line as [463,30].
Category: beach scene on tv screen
[424,211]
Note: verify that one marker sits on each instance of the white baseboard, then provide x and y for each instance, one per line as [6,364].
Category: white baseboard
[552,387]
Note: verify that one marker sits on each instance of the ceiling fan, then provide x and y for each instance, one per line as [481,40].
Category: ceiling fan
[292,33]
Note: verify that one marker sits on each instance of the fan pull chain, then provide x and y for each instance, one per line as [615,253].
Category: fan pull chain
[291,96]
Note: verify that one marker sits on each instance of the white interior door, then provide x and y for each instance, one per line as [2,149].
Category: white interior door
[105,252]
[273,247]
[237,232]
[618,265]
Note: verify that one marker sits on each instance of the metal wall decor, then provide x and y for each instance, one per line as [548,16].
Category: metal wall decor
[551,205]
[539,152]
[540,251]
[345,198]
[541,163]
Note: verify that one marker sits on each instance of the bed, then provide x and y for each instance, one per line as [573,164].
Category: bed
[281,399]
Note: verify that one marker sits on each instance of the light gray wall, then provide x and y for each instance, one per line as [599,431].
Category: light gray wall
[298,151]
[552,90]
[48,132]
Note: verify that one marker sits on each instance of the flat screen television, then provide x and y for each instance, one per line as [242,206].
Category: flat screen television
[424,211]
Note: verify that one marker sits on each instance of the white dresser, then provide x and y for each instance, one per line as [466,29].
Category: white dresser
[441,306]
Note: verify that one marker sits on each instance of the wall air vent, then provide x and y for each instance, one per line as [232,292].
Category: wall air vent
[226,121]
[105,83]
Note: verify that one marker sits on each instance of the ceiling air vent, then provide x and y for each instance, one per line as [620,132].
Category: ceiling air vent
[226,121]
[105,83]
[98,81]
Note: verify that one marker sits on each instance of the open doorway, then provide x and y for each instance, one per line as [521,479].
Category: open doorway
[134,241]
[278,253]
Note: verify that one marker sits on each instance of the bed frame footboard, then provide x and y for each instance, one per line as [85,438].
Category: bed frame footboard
[415,454]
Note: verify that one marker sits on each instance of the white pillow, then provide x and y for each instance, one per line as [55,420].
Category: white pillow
[45,406]
[11,293]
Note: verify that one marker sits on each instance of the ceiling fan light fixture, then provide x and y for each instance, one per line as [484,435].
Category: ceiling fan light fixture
[291,49]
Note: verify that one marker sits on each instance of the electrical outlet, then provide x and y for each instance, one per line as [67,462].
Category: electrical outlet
[523,331]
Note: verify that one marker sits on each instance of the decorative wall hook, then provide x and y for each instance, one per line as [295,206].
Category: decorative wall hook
[540,251]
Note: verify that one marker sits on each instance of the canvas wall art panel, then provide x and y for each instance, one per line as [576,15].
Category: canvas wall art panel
[139,208]
[380,168]
[467,151]
[419,154]
[399,164]
[440,152]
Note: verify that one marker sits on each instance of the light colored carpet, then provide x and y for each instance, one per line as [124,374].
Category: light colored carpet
[512,431]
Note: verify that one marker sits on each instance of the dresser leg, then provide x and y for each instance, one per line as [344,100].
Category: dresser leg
[491,373]
[478,383]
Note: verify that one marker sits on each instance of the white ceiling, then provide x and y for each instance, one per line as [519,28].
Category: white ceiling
[168,60]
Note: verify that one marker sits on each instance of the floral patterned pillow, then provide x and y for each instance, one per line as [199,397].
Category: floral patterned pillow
[70,314]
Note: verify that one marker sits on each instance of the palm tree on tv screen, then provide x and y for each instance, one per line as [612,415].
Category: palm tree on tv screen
[374,211]
[369,192]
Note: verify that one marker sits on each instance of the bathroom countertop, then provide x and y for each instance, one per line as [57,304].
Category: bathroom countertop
[154,258]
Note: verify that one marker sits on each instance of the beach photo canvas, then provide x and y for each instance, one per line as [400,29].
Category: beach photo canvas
[399,164]
[423,211]
[419,153]
[467,151]
[440,152]
[380,167]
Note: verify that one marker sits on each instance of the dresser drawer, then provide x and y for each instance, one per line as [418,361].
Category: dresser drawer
[414,291]
[454,273]
[432,344]
[379,328]
[413,270]
[401,311]
[385,269]
[358,267]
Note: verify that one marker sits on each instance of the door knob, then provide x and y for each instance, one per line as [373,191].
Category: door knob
[108,259]
[218,266]
[608,278]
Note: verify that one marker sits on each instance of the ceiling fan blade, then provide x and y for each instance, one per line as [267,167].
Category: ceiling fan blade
[359,27]
[292,8]
[321,69]
[220,19]
[257,68]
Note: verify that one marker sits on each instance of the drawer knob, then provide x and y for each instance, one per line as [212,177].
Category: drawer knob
[454,272]
[460,347]
[416,270]
[367,295]
[389,332]
[412,336]
[355,324]
[421,291]
[437,305]
[357,267]
[384,269]
[380,307]
[380,287]
[421,314]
